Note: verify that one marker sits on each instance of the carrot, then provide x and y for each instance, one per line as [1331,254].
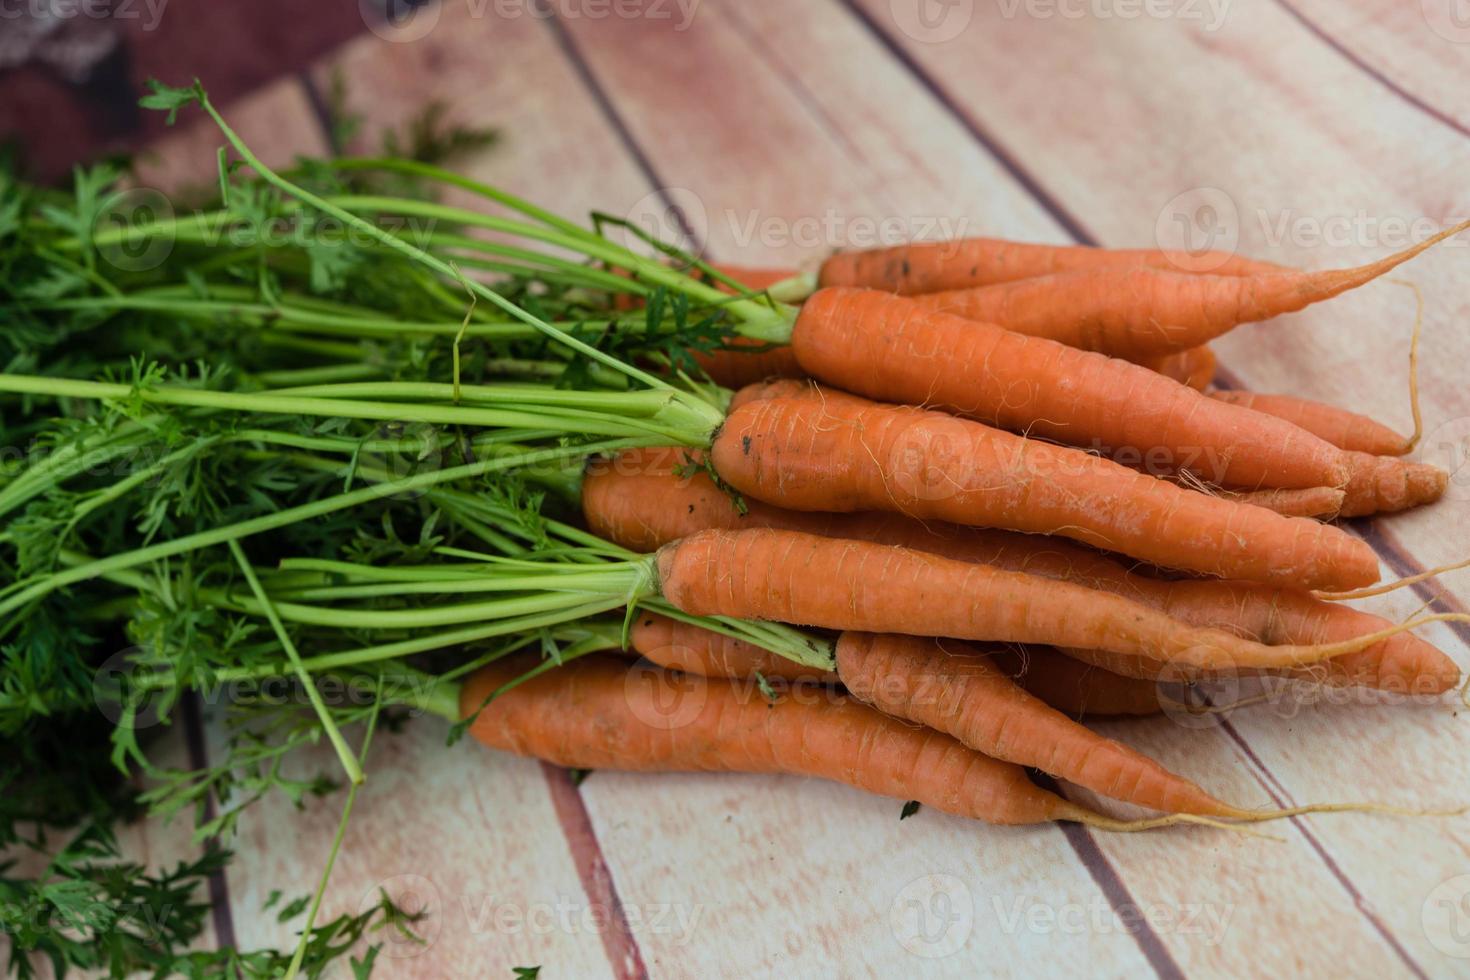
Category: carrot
[1142,311]
[735,368]
[1194,367]
[955,689]
[1344,429]
[888,348]
[1075,688]
[1386,484]
[826,451]
[694,650]
[930,267]
[809,580]
[1322,502]
[638,502]
[589,715]
[1064,683]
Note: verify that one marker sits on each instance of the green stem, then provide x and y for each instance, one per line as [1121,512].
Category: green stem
[22,593]
[681,421]
[349,762]
[417,254]
[337,838]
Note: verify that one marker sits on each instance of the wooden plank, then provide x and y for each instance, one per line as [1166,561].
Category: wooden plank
[836,61]
[466,835]
[1419,49]
[785,877]
[1351,750]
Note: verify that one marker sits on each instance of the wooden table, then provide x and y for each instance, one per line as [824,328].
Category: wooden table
[772,131]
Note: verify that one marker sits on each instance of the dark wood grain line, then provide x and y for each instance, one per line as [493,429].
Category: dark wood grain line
[1357,61]
[1119,898]
[320,109]
[220,911]
[1283,798]
[620,128]
[618,941]
[1010,163]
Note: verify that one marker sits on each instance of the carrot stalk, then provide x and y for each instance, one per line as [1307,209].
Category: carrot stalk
[1194,367]
[1387,484]
[808,580]
[930,267]
[592,714]
[638,501]
[1344,429]
[952,688]
[1142,312]
[955,689]
[1071,687]
[1074,688]
[890,349]
[827,451]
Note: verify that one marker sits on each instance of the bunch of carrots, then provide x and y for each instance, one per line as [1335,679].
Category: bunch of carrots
[966,495]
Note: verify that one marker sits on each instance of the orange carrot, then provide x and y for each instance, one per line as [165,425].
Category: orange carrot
[1142,312]
[1321,502]
[1075,688]
[1386,484]
[1063,682]
[1344,429]
[930,267]
[736,368]
[638,502]
[1194,367]
[886,347]
[955,689]
[808,580]
[589,714]
[694,650]
[826,451]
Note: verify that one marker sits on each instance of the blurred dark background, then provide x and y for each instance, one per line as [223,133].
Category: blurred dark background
[71,71]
